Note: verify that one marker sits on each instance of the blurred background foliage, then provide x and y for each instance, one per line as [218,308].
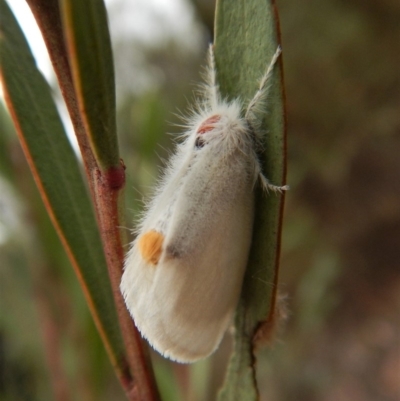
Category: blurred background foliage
[340,270]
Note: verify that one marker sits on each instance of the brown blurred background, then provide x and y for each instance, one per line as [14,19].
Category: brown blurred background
[340,270]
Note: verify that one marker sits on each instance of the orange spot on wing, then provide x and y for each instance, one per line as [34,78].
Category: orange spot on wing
[208,124]
[150,246]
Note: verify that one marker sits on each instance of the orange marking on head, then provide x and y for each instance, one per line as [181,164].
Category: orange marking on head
[208,124]
[150,246]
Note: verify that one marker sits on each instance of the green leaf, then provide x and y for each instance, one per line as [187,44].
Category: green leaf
[91,61]
[57,174]
[6,131]
[245,41]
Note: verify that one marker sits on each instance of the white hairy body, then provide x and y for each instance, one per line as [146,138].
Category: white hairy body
[184,272]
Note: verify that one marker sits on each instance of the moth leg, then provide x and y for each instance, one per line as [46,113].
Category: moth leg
[265,184]
[261,92]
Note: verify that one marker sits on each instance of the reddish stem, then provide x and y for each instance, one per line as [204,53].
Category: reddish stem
[134,370]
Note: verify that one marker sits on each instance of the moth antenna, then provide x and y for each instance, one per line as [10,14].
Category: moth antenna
[212,85]
[258,97]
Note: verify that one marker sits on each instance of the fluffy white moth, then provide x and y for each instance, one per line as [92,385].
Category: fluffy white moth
[184,272]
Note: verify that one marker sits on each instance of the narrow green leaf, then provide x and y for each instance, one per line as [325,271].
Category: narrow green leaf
[57,174]
[6,131]
[245,41]
[90,57]
[240,382]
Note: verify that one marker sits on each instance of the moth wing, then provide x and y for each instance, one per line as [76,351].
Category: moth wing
[210,280]
[184,304]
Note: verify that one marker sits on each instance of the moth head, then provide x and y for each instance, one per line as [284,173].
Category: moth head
[208,125]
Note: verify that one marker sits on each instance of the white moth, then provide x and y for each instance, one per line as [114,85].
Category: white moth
[184,272]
